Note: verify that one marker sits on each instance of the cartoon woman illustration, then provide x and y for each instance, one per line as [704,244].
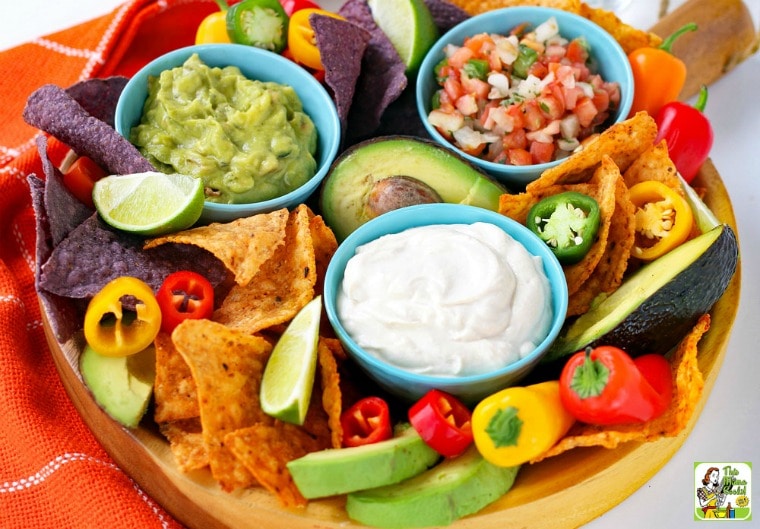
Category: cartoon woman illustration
[710,495]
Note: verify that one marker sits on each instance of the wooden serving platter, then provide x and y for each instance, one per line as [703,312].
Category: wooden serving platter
[558,493]
[561,492]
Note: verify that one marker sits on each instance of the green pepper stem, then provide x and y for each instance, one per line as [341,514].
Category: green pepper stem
[223,5]
[667,44]
[702,99]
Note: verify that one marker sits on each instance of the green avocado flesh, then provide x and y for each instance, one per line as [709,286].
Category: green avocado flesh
[345,191]
[337,471]
[655,307]
[122,386]
[455,488]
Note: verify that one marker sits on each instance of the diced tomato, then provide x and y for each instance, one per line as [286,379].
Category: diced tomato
[534,118]
[467,105]
[586,111]
[601,100]
[480,44]
[460,57]
[551,107]
[453,88]
[576,52]
[541,152]
[539,69]
[494,61]
[475,86]
[519,157]
[515,140]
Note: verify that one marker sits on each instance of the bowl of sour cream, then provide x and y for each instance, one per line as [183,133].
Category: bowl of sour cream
[445,296]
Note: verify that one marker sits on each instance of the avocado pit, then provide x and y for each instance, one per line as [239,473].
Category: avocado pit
[397,192]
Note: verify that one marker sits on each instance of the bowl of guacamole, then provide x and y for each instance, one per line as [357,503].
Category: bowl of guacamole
[259,130]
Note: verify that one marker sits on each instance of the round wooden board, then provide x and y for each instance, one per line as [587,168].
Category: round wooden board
[562,492]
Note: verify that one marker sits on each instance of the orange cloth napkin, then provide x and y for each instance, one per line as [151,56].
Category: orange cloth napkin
[53,472]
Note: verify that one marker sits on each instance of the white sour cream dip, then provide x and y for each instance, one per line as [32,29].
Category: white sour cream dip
[446,300]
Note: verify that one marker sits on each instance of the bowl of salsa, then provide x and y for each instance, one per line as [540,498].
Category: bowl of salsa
[517,90]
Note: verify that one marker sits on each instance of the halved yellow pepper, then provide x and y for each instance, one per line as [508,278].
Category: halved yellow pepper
[213,28]
[663,219]
[112,331]
[517,424]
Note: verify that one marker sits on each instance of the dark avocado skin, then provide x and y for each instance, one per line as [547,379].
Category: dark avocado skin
[663,319]
[658,323]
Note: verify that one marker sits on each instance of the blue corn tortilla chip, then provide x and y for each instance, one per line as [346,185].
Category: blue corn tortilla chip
[383,76]
[341,45]
[99,97]
[93,254]
[52,110]
[64,211]
[63,315]
[445,14]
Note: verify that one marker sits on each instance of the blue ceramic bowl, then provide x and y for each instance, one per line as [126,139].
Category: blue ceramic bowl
[611,61]
[254,63]
[410,386]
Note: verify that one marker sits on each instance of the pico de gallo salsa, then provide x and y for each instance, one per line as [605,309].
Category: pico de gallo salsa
[520,99]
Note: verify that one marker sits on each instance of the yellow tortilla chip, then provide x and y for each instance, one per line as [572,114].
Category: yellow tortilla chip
[283,285]
[608,273]
[174,390]
[332,398]
[227,366]
[623,142]
[654,164]
[688,384]
[243,245]
[325,244]
[627,36]
[475,7]
[265,451]
[186,443]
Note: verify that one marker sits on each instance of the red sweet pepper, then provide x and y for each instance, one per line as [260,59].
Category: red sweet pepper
[184,295]
[688,134]
[604,385]
[443,422]
[367,421]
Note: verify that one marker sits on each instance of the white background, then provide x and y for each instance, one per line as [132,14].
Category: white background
[729,427]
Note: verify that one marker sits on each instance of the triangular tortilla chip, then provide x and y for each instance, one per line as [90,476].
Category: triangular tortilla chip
[174,391]
[227,366]
[243,245]
[283,285]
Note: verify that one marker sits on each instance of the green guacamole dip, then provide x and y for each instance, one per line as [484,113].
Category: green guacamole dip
[246,139]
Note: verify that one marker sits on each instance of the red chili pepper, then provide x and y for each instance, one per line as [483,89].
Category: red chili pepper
[184,295]
[367,421]
[688,134]
[80,178]
[604,385]
[291,6]
[443,422]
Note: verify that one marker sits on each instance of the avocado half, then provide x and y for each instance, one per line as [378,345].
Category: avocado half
[660,303]
[346,190]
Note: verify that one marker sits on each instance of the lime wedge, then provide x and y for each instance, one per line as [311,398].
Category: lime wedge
[289,374]
[150,203]
[409,26]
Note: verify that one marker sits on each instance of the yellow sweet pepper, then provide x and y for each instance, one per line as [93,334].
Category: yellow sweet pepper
[112,331]
[516,424]
[663,219]
[213,28]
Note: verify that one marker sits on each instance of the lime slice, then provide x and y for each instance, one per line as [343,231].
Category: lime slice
[409,26]
[289,374]
[149,203]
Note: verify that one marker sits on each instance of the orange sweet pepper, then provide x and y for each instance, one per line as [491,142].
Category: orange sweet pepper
[658,75]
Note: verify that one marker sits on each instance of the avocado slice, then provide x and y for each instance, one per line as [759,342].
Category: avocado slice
[655,307]
[455,488]
[337,471]
[122,386]
[347,189]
